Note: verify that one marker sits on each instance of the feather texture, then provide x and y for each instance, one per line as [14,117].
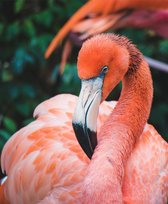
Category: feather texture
[45,163]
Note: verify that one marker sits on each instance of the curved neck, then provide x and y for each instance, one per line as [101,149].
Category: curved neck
[118,137]
[134,104]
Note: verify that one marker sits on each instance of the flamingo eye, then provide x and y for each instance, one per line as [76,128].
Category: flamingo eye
[104,69]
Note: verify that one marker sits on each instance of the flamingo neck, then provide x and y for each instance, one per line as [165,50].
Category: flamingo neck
[133,108]
[103,183]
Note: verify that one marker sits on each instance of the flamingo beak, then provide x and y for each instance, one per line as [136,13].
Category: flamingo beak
[85,116]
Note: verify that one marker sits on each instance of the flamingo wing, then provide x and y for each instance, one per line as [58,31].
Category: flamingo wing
[45,164]
[43,161]
[45,155]
[146,172]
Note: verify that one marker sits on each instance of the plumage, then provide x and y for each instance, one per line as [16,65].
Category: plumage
[44,161]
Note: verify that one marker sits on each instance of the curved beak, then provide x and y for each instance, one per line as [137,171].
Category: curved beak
[85,116]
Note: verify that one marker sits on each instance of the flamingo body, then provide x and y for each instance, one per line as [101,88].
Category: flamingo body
[45,163]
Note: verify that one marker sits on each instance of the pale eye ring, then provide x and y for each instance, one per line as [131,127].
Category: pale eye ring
[104,69]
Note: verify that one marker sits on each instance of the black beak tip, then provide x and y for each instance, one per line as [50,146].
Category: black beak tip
[86,138]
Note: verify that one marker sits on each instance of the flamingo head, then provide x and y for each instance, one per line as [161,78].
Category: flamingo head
[102,63]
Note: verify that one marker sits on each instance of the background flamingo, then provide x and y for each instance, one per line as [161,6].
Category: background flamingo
[97,16]
[45,164]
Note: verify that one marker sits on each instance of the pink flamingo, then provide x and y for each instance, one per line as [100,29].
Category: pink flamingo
[129,164]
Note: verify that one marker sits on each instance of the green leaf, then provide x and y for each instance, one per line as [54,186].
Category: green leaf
[4,136]
[28,90]
[24,109]
[20,59]
[44,18]
[12,31]
[6,75]
[163,46]
[19,5]
[70,80]
[9,124]
[28,28]
[13,91]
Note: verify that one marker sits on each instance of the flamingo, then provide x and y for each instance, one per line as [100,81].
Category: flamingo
[97,16]
[120,159]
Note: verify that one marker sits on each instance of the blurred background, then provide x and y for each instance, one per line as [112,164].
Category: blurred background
[26,78]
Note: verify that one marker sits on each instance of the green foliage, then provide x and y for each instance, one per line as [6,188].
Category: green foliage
[9,124]
[26,78]
[70,82]
[18,5]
